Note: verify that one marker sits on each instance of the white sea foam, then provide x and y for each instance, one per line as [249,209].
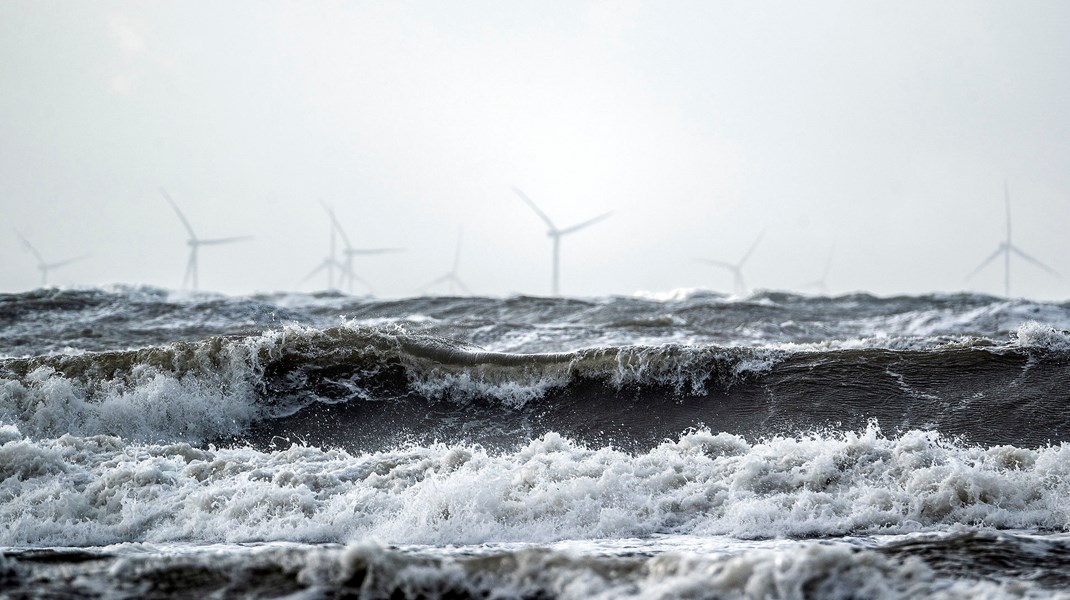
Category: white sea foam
[1037,335]
[101,491]
[680,295]
[148,402]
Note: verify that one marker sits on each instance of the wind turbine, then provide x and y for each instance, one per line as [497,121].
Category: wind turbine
[347,275]
[822,284]
[45,267]
[195,243]
[451,277]
[736,269]
[330,263]
[556,233]
[1005,248]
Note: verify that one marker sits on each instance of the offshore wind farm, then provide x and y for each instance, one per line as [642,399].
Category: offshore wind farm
[354,318]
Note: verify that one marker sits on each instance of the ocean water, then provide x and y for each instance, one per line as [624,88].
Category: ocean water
[682,445]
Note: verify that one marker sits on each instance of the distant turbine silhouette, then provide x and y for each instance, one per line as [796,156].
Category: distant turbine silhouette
[451,277]
[1005,248]
[556,233]
[189,280]
[347,276]
[330,263]
[736,269]
[45,267]
[821,285]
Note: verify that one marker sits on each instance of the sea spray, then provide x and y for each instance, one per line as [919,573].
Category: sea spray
[103,491]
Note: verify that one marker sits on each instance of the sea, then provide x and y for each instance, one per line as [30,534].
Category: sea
[687,444]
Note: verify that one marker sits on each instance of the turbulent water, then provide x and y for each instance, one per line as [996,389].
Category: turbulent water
[685,445]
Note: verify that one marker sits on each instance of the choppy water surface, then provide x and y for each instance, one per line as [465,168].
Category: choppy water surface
[685,445]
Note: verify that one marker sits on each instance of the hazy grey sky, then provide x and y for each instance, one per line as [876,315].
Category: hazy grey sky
[886,129]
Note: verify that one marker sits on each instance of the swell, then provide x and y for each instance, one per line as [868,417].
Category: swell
[364,389]
[65,320]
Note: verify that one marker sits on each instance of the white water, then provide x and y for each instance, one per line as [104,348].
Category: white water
[100,490]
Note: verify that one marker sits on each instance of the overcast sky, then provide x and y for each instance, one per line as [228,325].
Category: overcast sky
[884,130]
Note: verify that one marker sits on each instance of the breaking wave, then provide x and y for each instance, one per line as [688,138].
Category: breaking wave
[368,388]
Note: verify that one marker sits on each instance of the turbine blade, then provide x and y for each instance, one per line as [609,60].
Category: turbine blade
[436,281]
[1034,261]
[182,217]
[586,223]
[338,227]
[539,212]
[751,251]
[361,281]
[316,271]
[460,284]
[226,240]
[61,263]
[718,263]
[1002,248]
[28,246]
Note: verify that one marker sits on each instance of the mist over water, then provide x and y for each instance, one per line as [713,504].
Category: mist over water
[882,139]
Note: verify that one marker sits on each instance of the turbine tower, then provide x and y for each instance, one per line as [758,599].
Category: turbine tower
[189,280]
[45,267]
[452,277]
[821,285]
[555,233]
[736,269]
[1005,248]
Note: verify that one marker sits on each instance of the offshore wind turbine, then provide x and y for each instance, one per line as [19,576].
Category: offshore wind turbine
[348,275]
[1005,248]
[330,263]
[822,284]
[42,266]
[737,268]
[555,233]
[452,277]
[189,280]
